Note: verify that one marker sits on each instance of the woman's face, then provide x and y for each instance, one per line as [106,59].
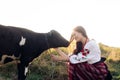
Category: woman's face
[77,36]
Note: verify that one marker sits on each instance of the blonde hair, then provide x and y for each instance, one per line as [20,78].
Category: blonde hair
[81,30]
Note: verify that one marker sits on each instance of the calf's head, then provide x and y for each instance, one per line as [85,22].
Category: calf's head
[56,40]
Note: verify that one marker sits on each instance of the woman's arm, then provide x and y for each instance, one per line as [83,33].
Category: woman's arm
[62,54]
[58,58]
[62,57]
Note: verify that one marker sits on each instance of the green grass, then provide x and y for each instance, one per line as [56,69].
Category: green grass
[7,72]
[114,67]
[43,68]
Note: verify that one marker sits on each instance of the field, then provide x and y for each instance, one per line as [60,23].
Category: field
[43,68]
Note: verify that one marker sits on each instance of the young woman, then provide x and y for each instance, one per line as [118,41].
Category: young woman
[84,63]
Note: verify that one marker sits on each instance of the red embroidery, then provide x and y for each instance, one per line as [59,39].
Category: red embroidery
[85,52]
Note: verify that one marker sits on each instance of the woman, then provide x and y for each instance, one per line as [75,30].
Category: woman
[84,63]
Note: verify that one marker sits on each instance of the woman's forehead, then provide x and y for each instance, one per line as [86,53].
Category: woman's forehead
[75,32]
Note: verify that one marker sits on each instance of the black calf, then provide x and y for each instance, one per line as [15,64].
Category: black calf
[25,45]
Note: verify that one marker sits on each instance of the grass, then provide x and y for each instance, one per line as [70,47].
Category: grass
[43,68]
[114,67]
[8,72]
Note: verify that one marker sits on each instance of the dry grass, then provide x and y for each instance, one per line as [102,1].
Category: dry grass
[42,69]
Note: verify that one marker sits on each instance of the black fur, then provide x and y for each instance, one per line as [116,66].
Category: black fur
[7,60]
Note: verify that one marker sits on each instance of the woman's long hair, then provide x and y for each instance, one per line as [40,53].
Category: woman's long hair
[78,48]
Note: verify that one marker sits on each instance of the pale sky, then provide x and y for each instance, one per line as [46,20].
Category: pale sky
[101,18]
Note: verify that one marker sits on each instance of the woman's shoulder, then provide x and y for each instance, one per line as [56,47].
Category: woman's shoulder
[91,43]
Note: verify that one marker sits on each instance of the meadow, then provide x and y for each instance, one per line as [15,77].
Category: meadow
[43,68]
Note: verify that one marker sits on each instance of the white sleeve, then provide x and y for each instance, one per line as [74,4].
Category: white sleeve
[92,57]
[74,59]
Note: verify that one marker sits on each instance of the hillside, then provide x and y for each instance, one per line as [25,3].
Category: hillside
[43,68]
[111,53]
[113,59]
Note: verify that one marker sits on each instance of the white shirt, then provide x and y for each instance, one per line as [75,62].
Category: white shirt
[93,56]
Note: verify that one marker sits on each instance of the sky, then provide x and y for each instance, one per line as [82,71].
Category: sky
[100,18]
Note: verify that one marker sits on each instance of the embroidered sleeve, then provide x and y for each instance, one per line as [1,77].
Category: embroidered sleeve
[91,54]
[81,57]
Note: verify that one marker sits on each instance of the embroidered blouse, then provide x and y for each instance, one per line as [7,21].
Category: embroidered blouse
[91,54]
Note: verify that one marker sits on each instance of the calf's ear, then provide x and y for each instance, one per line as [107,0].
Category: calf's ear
[53,32]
